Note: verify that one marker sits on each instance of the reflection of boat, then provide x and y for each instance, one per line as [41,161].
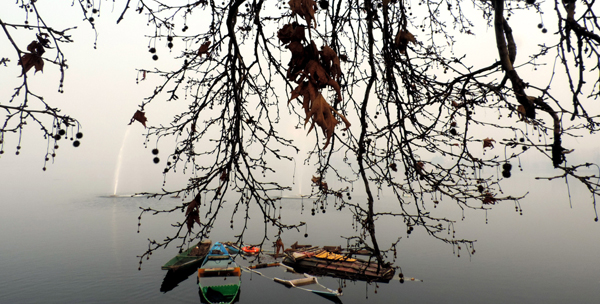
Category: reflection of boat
[173,278]
[190,257]
[318,261]
[213,276]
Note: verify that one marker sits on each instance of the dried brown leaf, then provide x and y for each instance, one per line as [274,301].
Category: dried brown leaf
[291,32]
[322,114]
[204,48]
[139,116]
[488,143]
[402,40]
[192,213]
[489,199]
[305,8]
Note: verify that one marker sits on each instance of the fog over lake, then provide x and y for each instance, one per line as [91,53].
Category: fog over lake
[64,239]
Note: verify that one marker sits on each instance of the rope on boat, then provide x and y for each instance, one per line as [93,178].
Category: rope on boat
[334,292]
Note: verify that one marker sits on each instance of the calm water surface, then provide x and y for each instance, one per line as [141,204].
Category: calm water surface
[59,247]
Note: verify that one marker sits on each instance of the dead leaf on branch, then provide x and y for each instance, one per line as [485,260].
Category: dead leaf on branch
[419,167]
[488,143]
[139,116]
[317,181]
[305,8]
[33,58]
[291,32]
[402,40]
[522,112]
[489,199]
[204,48]
[192,213]
[331,62]
[321,114]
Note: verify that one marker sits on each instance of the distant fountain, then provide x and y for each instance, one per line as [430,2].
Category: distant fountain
[119,162]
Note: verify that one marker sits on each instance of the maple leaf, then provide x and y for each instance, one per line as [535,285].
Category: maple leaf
[304,8]
[291,32]
[192,212]
[402,40]
[488,143]
[33,58]
[204,48]
[316,73]
[139,116]
[331,62]
[321,113]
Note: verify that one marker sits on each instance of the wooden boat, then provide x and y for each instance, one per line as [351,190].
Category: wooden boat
[317,261]
[215,286]
[191,257]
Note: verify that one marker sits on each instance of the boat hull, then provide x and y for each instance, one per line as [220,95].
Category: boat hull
[219,278]
[189,258]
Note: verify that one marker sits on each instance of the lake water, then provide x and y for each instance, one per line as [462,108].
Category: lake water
[61,246]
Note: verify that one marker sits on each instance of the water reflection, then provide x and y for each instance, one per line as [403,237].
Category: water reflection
[173,278]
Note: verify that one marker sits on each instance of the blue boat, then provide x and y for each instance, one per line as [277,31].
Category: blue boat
[219,277]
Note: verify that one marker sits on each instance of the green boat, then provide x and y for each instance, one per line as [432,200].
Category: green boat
[191,257]
[219,277]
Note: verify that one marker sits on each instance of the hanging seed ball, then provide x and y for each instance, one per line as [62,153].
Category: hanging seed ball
[506,174]
[155,151]
[522,139]
[540,26]
[156,160]
[61,132]
[169,38]
[94,11]
[91,19]
[79,135]
[408,231]
[44,169]
[506,166]
[154,57]
[185,28]
[168,163]
[453,131]
[76,144]
[401,280]
[57,137]
[544,31]
[170,45]
[524,148]
[18,147]
[17,153]
[411,228]
[306,235]
[152,50]
[55,147]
